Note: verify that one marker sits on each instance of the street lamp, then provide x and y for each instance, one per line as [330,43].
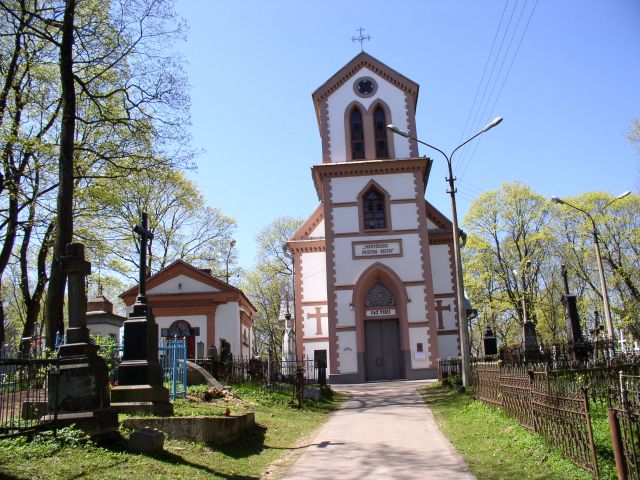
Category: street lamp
[232,244]
[462,318]
[596,242]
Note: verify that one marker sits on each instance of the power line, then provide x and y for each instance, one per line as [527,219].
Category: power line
[475,147]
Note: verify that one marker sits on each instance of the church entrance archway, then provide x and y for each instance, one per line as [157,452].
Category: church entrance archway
[182,329]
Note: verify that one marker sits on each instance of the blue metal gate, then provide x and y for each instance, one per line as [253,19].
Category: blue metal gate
[173,358]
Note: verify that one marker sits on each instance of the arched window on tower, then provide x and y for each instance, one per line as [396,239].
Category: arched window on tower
[357,134]
[375,211]
[380,133]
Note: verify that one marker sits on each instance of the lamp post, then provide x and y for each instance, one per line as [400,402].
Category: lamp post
[462,317]
[596,243]
[232,244]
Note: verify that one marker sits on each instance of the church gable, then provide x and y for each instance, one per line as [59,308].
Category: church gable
[312,228]
[355,105]
[435,219]
[181,284]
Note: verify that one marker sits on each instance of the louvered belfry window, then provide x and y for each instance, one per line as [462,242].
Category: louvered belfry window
[357,134]
[380,133]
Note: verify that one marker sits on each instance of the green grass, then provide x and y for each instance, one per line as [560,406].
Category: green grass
[70,455]
[497,447]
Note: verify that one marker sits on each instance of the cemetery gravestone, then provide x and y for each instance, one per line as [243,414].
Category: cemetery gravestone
[140,384]
[79,391]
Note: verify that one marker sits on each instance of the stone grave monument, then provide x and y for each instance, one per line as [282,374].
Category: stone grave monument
[79,391]
[140,385]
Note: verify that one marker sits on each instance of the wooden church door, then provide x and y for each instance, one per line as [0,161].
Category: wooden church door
[382,350]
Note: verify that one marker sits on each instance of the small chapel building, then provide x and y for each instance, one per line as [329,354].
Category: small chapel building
[190,302]
[373,265]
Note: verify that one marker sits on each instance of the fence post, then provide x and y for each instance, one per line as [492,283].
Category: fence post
[616,441]
[592,447]
[184,365]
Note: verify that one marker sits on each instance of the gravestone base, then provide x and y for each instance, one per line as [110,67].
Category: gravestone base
[79,391]
[141,399]
[140,383]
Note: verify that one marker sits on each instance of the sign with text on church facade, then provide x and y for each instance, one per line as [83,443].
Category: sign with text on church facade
[377,249]
[380,312]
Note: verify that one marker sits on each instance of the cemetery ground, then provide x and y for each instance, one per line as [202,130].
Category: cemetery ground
[498,447]
[278,428]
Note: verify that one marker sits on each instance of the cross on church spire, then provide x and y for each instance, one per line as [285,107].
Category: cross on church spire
[360,38]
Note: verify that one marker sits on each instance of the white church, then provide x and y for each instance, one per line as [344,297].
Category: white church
[373,265]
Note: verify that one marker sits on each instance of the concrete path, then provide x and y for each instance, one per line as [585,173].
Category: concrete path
[383,431]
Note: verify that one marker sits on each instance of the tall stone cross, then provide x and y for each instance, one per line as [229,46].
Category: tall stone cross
[76,268]
[145,236]
[439,310]
[318,315]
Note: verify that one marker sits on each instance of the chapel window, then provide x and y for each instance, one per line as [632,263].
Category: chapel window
[374,207]
[357,134]
[380,133]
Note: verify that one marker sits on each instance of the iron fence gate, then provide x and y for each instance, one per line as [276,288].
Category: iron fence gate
[626,409]
[172,353]
[24,395]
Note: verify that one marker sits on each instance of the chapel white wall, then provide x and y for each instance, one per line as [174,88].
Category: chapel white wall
[181,284]
[228,326]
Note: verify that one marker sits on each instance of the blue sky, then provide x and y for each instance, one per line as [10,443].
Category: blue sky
[572,87]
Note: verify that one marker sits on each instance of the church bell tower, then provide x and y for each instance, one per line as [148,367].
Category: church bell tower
[374,278]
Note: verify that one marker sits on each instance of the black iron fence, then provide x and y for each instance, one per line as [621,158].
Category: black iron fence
[24,395]
[528,393]
[263,371]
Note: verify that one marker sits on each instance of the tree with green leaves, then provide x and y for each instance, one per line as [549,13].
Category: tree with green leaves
[266,284]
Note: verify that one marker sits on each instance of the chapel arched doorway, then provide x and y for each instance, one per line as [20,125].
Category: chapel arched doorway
[183,329]
[383,351]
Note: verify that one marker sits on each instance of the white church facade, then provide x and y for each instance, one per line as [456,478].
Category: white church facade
[373,264]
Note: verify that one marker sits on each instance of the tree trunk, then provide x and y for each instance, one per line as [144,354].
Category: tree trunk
[64,228]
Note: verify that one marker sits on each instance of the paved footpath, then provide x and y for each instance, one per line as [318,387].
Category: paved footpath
[384,431]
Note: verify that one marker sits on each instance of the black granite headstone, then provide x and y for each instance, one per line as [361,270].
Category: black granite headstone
[489,342]
[140,385]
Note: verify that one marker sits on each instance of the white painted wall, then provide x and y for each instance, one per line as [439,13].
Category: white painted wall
[345,220]
[441,269]
[419,335]
[447,346]
[318,232]
[194,321]
[309,347]
[416,308]
[431,225]
[346,316]
[404,216]
[408,267]
[228,326]
[343,96]
[181,284]
[314,277]
[347,352]
[246,349]
[399,186]
[311,325]
[105,330]
[448,316]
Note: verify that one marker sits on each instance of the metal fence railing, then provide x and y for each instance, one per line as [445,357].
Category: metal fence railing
[25,404]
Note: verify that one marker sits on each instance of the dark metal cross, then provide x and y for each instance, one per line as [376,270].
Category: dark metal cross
[145,236]
[360,38]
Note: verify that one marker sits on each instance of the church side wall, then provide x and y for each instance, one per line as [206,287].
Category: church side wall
[196,321]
